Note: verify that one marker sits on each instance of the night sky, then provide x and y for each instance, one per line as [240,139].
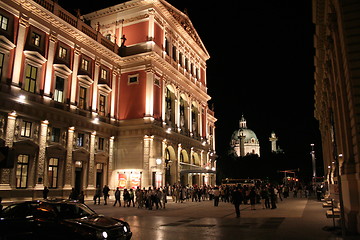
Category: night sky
[261,65]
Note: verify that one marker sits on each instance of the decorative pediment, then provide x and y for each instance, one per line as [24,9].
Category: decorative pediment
[104,87]
[6,43]
[55,150]
[63,69]
[85,79]
[35,56]
[26,147]
[101,157]
[81,155]
[184,21]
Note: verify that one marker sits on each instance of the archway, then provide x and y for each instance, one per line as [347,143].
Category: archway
[170,165]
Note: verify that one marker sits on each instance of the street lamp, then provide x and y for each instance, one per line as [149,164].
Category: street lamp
[313,160]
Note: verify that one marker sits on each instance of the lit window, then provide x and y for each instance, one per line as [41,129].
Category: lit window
[59,89]
[80,140]
[30,78]
[55,134]
[26,129]
[103,74]
[35,39]
[22,171]
[85,64]
[4,21]
[62,52]
[102,104]
[53,172]
[82,98]
[108,36]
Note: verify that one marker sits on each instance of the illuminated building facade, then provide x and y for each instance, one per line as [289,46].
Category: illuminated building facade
[113,97]
[337,102]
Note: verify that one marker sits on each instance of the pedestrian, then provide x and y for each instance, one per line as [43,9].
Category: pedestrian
[272,197]
[131,198]
[117,197]
[252,197]
[81,197]
[106,191]
[216,193]
[126,197]
[237,198]
[265,198]
[45,192]
[97,194]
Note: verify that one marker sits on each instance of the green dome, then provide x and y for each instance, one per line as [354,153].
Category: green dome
[248,133]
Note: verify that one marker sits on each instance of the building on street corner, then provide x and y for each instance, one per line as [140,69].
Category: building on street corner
[117,97]
[337,102]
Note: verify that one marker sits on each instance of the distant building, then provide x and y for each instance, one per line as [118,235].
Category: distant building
[244,141]
[274,147]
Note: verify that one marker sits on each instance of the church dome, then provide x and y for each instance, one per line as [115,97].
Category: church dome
[247,133]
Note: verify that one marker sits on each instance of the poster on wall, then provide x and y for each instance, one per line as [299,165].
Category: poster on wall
[135,180]
[122,181]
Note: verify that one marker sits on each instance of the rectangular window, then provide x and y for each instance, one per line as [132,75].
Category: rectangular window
[4,21]
[82,98]
[174,53]
[30,78]
[26,129]
[53,172]
[102,104]
[133,79]
[103,74]
[55,134]
[22,171]
[181,59]
[167,46]
[101,143]
[62,52]
[1,64]
[84,64]
[80,140]
[35,39]
[59,89]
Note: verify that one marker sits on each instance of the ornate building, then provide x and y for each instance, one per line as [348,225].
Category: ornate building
[113,97]
[337,102]
[244,141]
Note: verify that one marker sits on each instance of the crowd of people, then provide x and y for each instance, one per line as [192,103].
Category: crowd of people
[265,195]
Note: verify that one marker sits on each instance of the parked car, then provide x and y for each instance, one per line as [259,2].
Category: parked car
[59,219]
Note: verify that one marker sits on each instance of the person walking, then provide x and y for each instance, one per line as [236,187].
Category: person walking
[97,194]
[73,194]
[272,197]
[216,193]
[117,197]
[237,198]
[252,197]
[81,197]
[132,196]
[106,191]
[265,198]
[126,197]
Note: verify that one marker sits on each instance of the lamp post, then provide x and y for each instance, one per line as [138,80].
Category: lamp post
[313,160]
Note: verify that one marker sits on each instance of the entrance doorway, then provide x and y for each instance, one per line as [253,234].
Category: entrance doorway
[78,176]
[99,174]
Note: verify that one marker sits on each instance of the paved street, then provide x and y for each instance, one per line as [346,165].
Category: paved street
[293,219]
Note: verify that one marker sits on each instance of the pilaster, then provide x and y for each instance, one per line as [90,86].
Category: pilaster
[74,74]
[69,154]
[49,64]
[41,156]
[91,165]
[95,85]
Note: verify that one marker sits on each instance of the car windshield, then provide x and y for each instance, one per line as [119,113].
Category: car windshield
[71,211]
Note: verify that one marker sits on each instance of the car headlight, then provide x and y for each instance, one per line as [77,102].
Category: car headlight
[125,229]
[102,235]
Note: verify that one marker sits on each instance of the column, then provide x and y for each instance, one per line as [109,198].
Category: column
[95,85]
[146,176]
[111,159]
[20,43]
[69,159]
[113,92]
[49,64]
[151,24]
[163,104]
[190,115]
[74,75]
[91,165]
[9,140]
[40,171]
[149,105]
[177,109]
